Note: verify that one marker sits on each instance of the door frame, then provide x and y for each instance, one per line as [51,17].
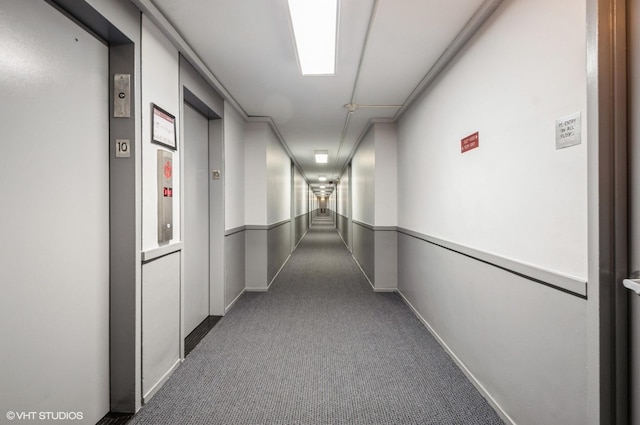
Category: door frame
[607,315]
[191,85]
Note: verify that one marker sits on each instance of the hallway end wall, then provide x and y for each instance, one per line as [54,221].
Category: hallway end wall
[514,197]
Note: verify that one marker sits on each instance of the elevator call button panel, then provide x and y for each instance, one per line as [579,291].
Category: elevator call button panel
[165,196]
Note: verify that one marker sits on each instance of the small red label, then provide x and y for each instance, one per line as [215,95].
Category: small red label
[168,192]
[470,142]
[167,169]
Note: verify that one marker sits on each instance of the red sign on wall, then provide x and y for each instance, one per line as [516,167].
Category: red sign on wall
[470,142]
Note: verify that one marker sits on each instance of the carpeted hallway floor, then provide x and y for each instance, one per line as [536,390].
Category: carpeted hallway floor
[320,347]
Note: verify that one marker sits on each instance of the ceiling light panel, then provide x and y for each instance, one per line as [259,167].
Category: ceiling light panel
[314,27]
[322,157]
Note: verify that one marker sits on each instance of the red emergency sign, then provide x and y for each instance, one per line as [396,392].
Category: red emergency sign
[470,142]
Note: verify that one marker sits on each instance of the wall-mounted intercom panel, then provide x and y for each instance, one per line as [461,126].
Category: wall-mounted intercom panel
[165,196]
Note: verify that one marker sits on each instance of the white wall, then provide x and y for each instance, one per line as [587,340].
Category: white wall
[363,180]
[255,162]
[161,277]
[301,194]
[234,159]
[278,181]
[160,86]
[386,175]
[526,70]
[515,196]
[343,195]
[267,175]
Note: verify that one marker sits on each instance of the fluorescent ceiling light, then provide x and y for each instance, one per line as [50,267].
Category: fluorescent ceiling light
[322,178]
[323,187]
[314,28]
[322,157]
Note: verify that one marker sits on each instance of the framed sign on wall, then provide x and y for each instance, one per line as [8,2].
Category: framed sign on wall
[163,128]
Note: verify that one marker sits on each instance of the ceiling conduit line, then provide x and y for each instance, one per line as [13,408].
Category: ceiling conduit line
[374,11]
[484,12]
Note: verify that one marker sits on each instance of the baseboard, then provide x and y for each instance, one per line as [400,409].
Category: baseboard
[385,289]
[161,382]
[278,272]
[232,303]
[470,376]
[362,270]
[256,289]
[368,280]
[301,238]
[343,241]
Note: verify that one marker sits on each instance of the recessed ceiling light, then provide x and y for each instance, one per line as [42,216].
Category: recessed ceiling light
[314,28]
[322,157]
[323,187]
[322,178]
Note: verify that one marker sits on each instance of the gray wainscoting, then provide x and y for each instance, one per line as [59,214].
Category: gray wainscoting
[279,247]
[160,319]
[267,249]
[386,259]
[301,227]
[235,266]
[342,223]
[522,343]
[375,250]
[364,249]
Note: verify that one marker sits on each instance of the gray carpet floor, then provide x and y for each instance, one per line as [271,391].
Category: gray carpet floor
[320,347]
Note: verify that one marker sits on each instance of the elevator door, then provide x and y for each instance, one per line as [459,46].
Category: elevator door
[54,252]
[196,219]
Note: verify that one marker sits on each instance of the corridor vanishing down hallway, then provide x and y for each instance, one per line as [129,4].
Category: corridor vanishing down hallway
[320,347]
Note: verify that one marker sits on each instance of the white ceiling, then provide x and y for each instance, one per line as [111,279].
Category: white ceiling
[385,48]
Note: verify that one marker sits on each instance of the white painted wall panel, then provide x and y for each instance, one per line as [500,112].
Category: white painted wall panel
[54,258]
[301,193]
[386,175]
[190,78]
[278,180]
[343,194]
[161,278]
[234,162]
[516,195]
[160,82]
[363,176]
[160,321]
[255,157]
